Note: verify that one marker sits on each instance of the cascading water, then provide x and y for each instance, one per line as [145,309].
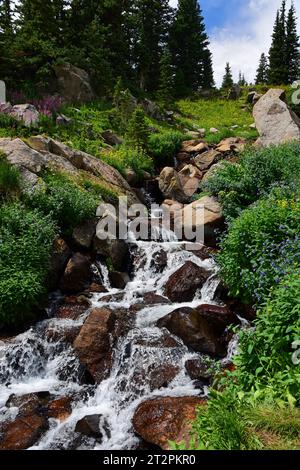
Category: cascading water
[35,362]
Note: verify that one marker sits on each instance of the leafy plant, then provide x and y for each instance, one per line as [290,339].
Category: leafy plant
[26,241]
[259,170]
[64,199]
[9,179]
[261,246]
[164,146]
[125,157]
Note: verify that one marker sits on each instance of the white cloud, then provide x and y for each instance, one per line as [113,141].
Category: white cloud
[243,40]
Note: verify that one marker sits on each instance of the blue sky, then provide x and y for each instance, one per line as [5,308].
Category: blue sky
[239,31]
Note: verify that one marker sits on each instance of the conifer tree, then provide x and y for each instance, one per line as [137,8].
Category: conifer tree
[277,54]
[6,37]
[242,80]
[137,130]
[149,21]
[166,80]
[292,46]
[189,47]
[262,71]
[227,79]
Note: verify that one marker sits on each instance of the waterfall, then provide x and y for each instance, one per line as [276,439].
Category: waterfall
[33,362]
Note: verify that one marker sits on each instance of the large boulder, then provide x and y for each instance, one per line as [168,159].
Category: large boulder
[60,256]
[180,186]
[73,84]
[205,160]
[164,419]
[47,154]
[83,235]
[77,274]
[183,284]
[200,329]
[203,217]
[275,121]
[25,113]
[93,344]
[23,432]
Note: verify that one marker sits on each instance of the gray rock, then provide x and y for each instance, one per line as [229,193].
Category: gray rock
[73,84]
[275,121]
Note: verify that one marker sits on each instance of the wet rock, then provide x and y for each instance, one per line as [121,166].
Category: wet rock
[60,409]
[29,403]
[218,317]
[115,250]
[23,432]
[65,333]
[93,345]
[183,284]
[61,253]
[165,341]
[196,331]
[84,234]
[112,297]
[147,300]
[159,261]
[165,419]
[97,288]
[161,376]
[72,308]
[199,370]
[92,426]
[119,280]
[77,274]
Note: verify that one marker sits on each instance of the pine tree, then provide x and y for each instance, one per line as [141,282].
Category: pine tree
[6,38]
[149,22]
[39,38]
[242,80]
[277,55]
[262,71]
[189,47]
[137,130]
[292,46]
[166,80]
[227,79]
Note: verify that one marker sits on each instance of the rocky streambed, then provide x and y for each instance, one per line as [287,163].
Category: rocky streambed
[119,368]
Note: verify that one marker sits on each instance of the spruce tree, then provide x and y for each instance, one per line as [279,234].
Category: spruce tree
[277,55]
[165,92]
[149,22]
[189,46]
[227,79]
[292,46]
[6,38]
[262,71]
[137,132]
[242,80]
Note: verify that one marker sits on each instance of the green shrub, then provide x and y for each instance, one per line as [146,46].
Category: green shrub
[164,147]
[239,185]
[261,246]
[26,241]
[9,179]
[265,358]
[221,426]
[124,157]
[67,202]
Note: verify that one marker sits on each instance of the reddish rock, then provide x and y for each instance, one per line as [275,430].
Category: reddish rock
[77,274]
[218,317]
[23,432]
[90,426]
[183,284]
[93,344]
[165,419]
[97,288]
[61,253]
[29,403]
[195,331]
[60,409]
[199,370]
[70,311]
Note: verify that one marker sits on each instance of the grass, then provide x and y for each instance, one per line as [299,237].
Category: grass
[220,114]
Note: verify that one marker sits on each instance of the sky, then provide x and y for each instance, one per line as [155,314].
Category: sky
[239,31]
